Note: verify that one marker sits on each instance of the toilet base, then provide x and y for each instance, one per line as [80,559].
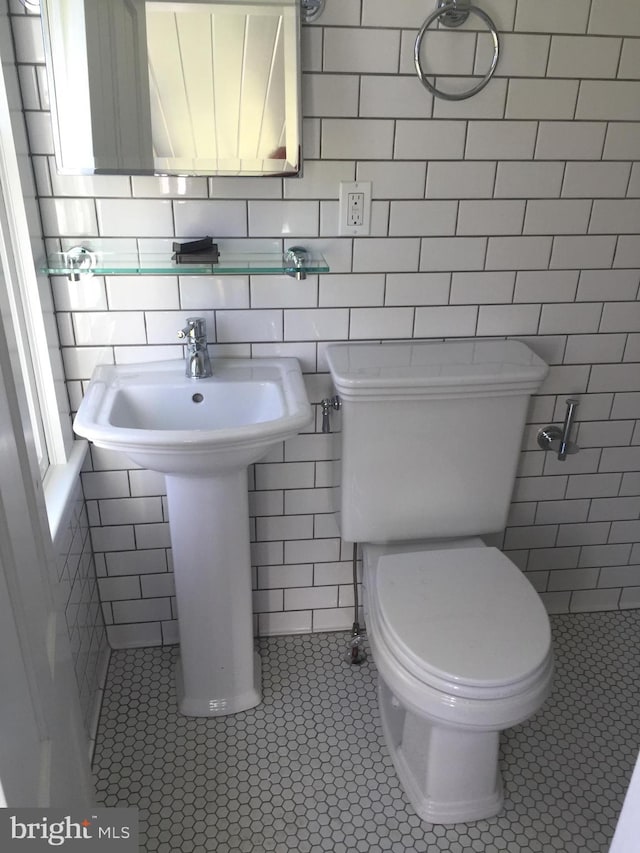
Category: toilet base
[450,775]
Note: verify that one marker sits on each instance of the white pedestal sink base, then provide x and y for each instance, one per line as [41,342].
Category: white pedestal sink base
[216,707]
[209,523]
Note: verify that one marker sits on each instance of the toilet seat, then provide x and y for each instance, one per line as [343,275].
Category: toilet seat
[463,621]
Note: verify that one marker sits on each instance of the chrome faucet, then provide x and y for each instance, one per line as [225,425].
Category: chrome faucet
[197,365]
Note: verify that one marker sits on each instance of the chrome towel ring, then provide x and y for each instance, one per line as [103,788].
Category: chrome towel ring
[453,13]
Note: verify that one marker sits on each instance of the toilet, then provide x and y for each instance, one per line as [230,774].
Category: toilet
[428,436]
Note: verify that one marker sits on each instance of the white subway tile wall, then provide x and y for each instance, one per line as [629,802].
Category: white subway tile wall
[78,588]
[514,213]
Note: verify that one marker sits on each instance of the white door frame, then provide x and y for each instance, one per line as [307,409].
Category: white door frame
[43,744]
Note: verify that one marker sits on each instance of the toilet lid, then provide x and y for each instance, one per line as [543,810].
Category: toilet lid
[466,615]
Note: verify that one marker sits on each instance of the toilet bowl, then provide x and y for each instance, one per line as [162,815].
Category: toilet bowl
[462,645]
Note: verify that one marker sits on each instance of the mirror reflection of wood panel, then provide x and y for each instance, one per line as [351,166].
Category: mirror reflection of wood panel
[118,81]
[178,87]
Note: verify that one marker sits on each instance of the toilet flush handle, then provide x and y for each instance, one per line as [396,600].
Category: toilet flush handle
[328,404]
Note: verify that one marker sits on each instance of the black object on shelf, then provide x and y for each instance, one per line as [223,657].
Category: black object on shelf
[189,246]
[203,251]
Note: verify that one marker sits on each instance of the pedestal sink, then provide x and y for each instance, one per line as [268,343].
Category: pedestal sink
[202,434]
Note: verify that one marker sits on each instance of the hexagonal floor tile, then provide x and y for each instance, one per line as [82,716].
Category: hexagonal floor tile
[308,771]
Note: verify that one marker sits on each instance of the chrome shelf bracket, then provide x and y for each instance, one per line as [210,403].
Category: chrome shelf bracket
[80,261]
[295,260]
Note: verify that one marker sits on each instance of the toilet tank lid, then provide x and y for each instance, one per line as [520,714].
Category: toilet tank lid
[360,369]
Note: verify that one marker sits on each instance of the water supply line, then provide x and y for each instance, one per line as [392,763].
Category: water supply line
[356,654]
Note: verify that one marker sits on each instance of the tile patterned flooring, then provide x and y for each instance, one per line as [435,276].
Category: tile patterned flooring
[307,770]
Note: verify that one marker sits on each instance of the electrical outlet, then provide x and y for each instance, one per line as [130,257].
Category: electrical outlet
[355,208]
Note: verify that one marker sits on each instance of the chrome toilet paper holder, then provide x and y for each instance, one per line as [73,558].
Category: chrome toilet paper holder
[557,439]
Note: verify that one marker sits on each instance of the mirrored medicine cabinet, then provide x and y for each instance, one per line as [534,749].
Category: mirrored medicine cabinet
[158,87]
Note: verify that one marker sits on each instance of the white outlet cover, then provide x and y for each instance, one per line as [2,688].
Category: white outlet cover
[347,187]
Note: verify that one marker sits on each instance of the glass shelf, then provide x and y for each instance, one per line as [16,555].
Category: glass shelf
[77,263]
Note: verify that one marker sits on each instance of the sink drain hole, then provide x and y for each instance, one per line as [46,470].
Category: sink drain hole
[197,398]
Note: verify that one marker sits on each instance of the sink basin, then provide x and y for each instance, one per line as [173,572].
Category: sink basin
[202,434]
[167,422]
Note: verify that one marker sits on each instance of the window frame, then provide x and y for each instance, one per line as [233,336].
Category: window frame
[26,305]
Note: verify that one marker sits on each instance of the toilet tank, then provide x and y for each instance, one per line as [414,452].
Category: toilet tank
[428,435]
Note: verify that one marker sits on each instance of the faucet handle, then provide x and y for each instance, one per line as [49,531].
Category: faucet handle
[195,329]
